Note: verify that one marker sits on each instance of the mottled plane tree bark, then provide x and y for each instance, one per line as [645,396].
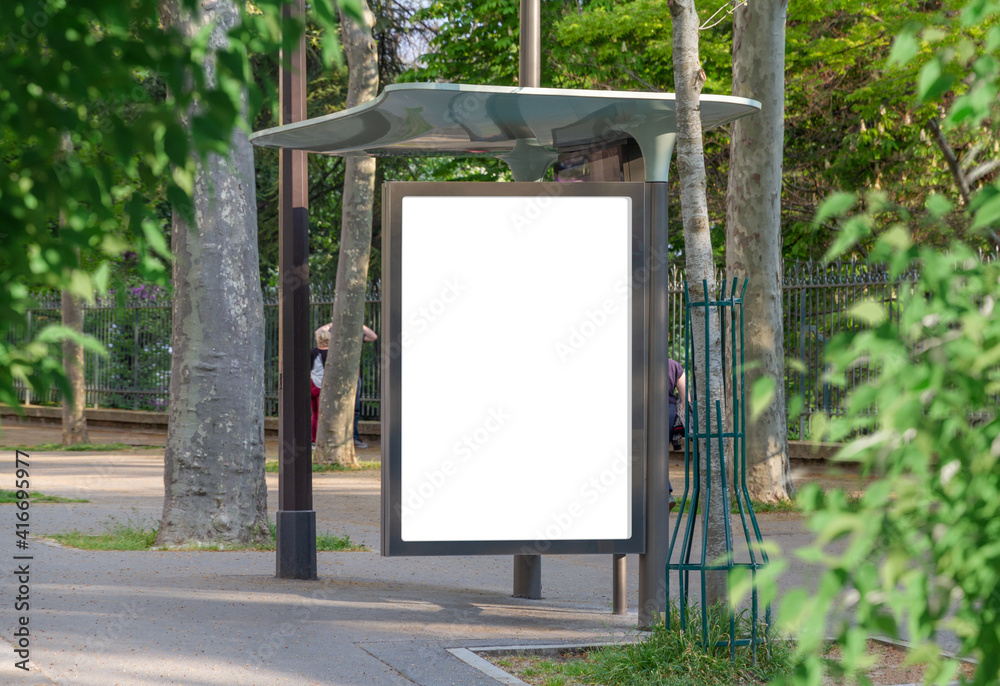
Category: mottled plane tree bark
[753,232]
[214,461]
[689,79]
[335,432]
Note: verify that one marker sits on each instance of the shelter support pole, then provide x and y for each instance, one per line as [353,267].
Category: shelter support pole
[528,568]
[652,564]
[530,47]
[296,520]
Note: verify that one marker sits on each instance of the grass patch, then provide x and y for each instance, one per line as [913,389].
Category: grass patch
[119,536]
[139,535]
[272,467]
[765,507]
[677,658]
[79,447]
[759,507]
[11,497]
[664,658]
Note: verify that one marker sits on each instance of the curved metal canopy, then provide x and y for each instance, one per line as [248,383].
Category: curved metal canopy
[527,127]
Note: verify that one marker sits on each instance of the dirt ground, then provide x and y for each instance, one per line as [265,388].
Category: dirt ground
[345,502]
[30,434]
[15,434]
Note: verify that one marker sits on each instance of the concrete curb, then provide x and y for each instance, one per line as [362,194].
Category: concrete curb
[130,419]
[158,421]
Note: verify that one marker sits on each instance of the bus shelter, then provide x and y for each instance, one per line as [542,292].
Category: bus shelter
[585,471]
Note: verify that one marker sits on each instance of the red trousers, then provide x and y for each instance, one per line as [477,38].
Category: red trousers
[314,402]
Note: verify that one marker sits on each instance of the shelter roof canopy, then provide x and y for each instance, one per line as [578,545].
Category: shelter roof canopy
[527,127]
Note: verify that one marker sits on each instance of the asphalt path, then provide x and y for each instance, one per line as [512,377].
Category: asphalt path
[207,618]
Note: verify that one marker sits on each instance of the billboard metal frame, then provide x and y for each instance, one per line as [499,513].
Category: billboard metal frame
[394,355]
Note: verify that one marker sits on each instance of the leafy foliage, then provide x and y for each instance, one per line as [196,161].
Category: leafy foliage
[852,119]
[95,134]
[919,553]
[919,550]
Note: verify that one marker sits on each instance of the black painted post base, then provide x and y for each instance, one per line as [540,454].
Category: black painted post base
[296,554]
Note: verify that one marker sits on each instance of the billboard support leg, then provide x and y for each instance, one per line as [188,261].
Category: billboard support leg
[652,565]
[619,591]
[528,576]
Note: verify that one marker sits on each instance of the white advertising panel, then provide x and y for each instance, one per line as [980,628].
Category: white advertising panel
[515,368]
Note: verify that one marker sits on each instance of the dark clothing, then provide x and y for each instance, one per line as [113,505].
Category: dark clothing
[674,372]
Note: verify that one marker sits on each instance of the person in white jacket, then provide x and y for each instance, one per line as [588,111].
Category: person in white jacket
[317,367]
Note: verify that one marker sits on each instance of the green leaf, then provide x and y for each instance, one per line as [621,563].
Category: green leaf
[870,312]
[835,205]
[992,43]
[933,81]
[904,48]
[762,394]
[938,205]
[852,231]
[988,213]
[55,333]
[351,8]
[796,404]
[80,285]
[819,424]
[156,239]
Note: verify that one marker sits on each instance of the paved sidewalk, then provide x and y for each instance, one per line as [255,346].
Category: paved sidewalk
[207,618]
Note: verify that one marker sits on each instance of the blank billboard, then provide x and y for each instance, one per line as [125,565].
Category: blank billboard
[514,365]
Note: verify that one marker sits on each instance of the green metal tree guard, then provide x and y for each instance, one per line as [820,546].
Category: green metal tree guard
[680,558]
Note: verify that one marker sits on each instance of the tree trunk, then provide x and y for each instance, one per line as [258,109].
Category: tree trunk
[335,432]
[689,78]
[753,231]
[74,421]
[214,461]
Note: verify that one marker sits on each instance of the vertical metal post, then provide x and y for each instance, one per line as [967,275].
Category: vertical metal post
[652,565]
[528,568]
[619,592]
[528,576]
[530,55]
[296,520]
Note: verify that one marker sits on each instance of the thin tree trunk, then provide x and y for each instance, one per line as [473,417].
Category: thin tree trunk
[214,460]
[689,78]
[74,420]
[753,231]
[335,431]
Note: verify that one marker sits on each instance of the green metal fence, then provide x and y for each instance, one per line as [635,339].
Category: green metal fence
[136,333]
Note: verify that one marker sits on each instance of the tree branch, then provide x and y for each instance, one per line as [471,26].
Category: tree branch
[952,161]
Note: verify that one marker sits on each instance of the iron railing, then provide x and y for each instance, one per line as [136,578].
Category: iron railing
[135,330]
